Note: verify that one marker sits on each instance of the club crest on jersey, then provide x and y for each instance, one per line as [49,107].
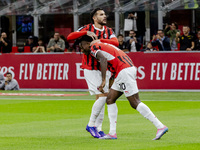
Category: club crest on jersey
[105,35]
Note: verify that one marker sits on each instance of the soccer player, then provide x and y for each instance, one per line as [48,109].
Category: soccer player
[98,31]
[121,65]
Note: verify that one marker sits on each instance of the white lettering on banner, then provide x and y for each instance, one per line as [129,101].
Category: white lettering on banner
[31,66]
[186,70]
[158,69]
[78,71]
[180,71]
[173,71]
[55,71]
[50,70]
[39,71]
[45,71]
[141,71]
[152,70]
[65,72]
[21,71]
[192,69]
[5,69]
[197,71]
[164,68]
[59,71]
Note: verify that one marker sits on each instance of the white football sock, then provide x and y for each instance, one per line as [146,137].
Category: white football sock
[99,120]
[148,114]
[96,109]
[112,115]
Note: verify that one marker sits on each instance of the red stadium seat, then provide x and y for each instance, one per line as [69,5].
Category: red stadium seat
[27,49]
[15,49]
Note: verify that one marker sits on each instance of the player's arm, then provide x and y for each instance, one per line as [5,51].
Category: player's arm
[112,41]
[103,64]
[75,35]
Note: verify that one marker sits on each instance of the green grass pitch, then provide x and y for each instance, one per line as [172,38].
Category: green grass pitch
[58,123]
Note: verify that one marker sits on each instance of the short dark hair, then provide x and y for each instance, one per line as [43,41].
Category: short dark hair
[175,24]
[120,35]
[160,30]
[86,38]
[93,12]
[9,73]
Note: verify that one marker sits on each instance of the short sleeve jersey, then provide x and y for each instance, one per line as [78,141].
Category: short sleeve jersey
[89,62]
[116,58]
[185,42]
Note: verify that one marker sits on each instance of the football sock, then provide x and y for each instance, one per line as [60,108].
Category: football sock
[148,114]
[99,120]
[112,115]
[96,109]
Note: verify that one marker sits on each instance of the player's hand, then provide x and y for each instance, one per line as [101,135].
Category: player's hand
[100,88]
[92,35]
[93,42]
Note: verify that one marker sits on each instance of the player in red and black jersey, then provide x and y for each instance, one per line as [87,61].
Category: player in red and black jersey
[99,32]
[121,65]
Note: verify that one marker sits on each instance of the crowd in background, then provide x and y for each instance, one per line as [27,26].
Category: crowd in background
[169,39]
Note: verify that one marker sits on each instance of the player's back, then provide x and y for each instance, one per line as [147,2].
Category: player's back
[117,59]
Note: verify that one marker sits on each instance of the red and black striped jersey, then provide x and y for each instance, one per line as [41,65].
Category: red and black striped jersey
[116,58]
[106,33]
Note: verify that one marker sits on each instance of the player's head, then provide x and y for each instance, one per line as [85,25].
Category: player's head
[9,76]
[98,16]
[84,44]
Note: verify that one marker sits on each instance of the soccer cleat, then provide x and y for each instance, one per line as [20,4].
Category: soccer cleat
[161,132]
[101,133]
[93,131]
[108,136]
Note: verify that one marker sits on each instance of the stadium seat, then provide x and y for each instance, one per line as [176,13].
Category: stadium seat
[15,49]
[27,49]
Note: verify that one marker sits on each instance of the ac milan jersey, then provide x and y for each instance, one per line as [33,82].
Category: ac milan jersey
[89,62]
[116,58]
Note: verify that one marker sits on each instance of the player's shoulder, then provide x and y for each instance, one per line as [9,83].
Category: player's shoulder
[85,27]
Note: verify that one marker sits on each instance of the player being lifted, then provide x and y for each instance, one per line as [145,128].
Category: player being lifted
[98,31]
[121,65]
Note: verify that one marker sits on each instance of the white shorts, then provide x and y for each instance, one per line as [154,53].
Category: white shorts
[126,82]
[94,79]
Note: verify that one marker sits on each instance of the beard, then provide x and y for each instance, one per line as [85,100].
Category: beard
[102,22]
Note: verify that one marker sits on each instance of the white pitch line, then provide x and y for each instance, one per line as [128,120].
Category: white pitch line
[36,99]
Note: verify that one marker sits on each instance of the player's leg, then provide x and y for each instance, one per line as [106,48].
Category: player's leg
[131,92]
[148,114]
[93,79]
[113,95]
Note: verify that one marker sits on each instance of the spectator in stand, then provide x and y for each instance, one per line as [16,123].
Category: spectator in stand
[171,30]
[133,44]
[10,83]
[197,42]
[30,42]
[56,44]
[66,43]
[193,34]
[161,41]
[2,81]
[150,48]
[40,48]
[138,24]
[5,44]
[122,44]
[186,41]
